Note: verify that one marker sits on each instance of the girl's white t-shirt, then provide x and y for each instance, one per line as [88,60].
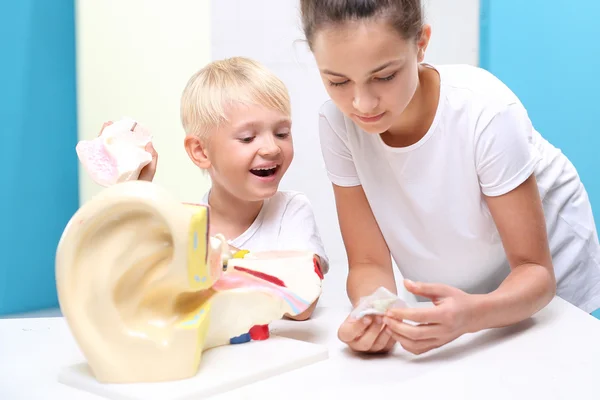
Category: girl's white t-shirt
[428,197]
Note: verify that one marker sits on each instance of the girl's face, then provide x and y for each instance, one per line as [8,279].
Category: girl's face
[369,70]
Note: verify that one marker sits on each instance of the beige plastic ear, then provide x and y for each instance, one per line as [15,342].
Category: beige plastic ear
[142,288]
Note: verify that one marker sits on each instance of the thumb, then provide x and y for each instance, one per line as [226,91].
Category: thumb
[430,290]
[150,149]
[147,173]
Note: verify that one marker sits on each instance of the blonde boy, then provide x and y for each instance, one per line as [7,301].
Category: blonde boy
[237,119]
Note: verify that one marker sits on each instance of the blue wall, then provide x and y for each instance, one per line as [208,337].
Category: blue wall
[38,167]
[548,53]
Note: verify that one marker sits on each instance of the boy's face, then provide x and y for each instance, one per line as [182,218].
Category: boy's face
[249,155]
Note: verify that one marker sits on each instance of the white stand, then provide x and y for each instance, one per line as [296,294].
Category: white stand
[222,369]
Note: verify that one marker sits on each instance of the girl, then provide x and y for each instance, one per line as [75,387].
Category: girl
[441,167]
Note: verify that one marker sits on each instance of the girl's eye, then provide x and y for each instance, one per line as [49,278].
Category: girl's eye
[387,78]
[337,83]
[247,139]
[282,135]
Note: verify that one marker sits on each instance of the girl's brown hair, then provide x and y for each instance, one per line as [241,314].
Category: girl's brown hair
[405,16]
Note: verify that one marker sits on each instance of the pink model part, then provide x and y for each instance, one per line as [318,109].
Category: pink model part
[117,155]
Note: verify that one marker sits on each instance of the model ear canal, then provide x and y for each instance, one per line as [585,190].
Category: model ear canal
[136,309]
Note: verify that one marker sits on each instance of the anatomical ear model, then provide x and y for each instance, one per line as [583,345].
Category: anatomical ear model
[145,290]
[118,154]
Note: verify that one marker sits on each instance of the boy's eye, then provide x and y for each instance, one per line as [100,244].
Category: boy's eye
[247,139]
[282,135]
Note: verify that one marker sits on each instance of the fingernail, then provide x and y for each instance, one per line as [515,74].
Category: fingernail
[366,320]
[379,320]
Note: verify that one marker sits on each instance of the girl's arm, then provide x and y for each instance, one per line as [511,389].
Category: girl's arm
[531,283]
[529,286]
[505,158]
[369,267]
[369,260]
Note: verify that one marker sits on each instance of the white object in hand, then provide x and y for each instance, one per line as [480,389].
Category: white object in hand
[118,154]
[377,303]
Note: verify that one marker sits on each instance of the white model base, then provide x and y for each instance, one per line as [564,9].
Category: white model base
[222,369]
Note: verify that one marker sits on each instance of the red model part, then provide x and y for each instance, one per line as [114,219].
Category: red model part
[259,332]
[261,275]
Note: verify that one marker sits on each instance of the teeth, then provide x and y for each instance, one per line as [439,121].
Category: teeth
[263,169]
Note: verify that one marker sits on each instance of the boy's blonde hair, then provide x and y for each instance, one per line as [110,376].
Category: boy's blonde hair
[233,80]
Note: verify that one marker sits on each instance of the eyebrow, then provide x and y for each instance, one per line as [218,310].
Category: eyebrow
[256,124]
[374,71]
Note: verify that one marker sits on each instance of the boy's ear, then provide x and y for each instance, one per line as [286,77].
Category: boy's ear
[196,150]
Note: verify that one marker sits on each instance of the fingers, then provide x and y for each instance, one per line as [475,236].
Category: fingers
[415,346]
[384,342]
[352,329]
[367,341]
[430,315]
[430,290]
[418,332]
[104,125]
[366,335]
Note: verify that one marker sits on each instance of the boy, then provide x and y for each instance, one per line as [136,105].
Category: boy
[237,118]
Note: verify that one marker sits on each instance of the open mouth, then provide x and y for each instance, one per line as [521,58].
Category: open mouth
[265,172]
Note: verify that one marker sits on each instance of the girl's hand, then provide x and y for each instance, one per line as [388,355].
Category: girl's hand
[367,334]
[452,316]
[147,173]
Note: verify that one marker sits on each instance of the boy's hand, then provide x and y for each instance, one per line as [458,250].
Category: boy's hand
[147,173]
[306,314]
[367,334]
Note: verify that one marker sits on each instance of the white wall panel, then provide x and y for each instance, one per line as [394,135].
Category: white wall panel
[134,58]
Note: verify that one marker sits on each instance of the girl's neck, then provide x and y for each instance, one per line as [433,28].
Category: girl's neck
[230,215]
[420,112]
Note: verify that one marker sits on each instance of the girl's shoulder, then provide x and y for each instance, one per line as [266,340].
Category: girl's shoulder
[470,85]
[331,117]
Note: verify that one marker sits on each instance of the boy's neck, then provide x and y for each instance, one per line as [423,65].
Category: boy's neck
[230,215]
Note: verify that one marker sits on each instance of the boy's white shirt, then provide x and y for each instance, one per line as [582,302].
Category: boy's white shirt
[428,197]
[285,222]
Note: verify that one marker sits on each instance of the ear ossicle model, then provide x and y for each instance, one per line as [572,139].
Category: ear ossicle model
[145,290]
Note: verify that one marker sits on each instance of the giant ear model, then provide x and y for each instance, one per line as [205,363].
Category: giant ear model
[145,290]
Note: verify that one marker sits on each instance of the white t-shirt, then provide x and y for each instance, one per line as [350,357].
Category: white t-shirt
[285,222]
[427,197]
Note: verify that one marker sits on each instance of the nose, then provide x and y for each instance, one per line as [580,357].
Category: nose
[364,101]
[269,147]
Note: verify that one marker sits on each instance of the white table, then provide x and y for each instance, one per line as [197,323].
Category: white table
[554,355]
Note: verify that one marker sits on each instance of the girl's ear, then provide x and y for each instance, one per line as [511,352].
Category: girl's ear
[423,42]
[197,151]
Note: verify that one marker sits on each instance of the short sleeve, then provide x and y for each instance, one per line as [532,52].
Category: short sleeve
[505,155]
[335,149]
[299,229]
